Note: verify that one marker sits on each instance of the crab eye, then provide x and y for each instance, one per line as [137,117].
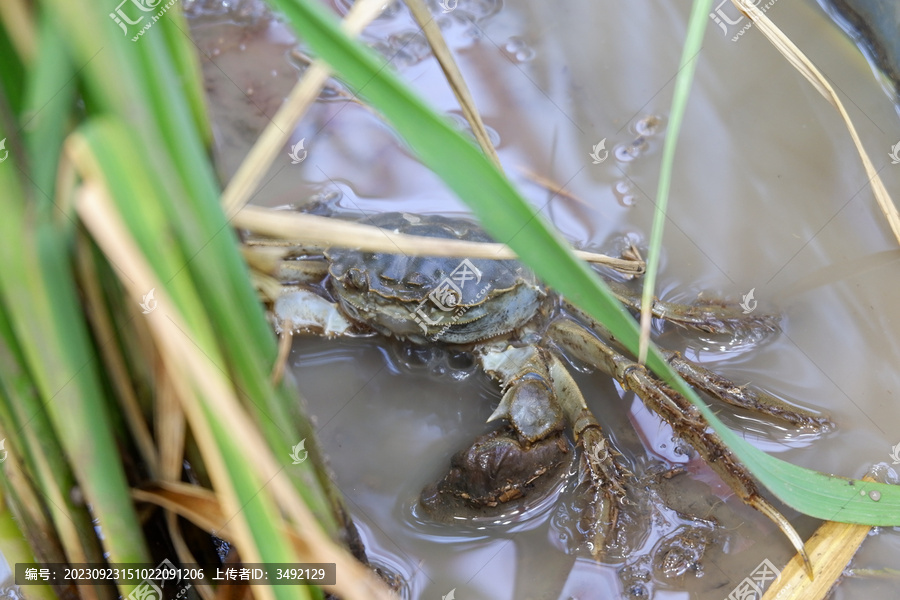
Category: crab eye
[387,278]
[357,279]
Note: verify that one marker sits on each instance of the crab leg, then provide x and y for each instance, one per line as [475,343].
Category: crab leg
[674,409]
[303,310]
[538,391]
[745,397]
[286,266]
[722,388]
[712,317]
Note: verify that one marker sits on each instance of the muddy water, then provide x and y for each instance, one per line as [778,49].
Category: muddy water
[769,195]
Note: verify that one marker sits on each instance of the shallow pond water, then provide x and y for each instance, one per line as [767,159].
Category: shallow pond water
[768,195]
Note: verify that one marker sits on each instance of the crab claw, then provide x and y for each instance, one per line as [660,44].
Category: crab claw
[540,394]
[530,406]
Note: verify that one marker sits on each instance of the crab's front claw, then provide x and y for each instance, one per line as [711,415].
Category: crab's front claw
[539,393]
[303,310]
[524,459]
[529,404]
[499,467]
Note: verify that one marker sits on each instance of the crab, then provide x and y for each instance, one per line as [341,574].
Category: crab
[522,334]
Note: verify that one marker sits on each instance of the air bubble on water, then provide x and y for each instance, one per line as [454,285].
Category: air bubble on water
[629,152]
[525,55]
[875,495]
[412,44]
[649,125]
[492,135]
[514,44]
[518,48]
[683,450]
[625,153]
[463,124]
[623,193]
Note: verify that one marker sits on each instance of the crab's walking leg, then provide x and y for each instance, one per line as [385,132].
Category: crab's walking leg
[674,409]
[745,397]
[718,317]
[537,392]
[278,264]
[724,389]
[302,310]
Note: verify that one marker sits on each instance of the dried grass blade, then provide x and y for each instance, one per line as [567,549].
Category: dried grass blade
[830,549]
[454,77]
[196,504]
[19,22]
[328,232]
[276,134]
[113,358]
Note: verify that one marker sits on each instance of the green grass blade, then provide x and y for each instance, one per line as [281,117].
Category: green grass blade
[218,328]
[27,428]
[12,73]
[40,295]
[48,100]
[507,216]
[693,42]
[15,550]
[187,66]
